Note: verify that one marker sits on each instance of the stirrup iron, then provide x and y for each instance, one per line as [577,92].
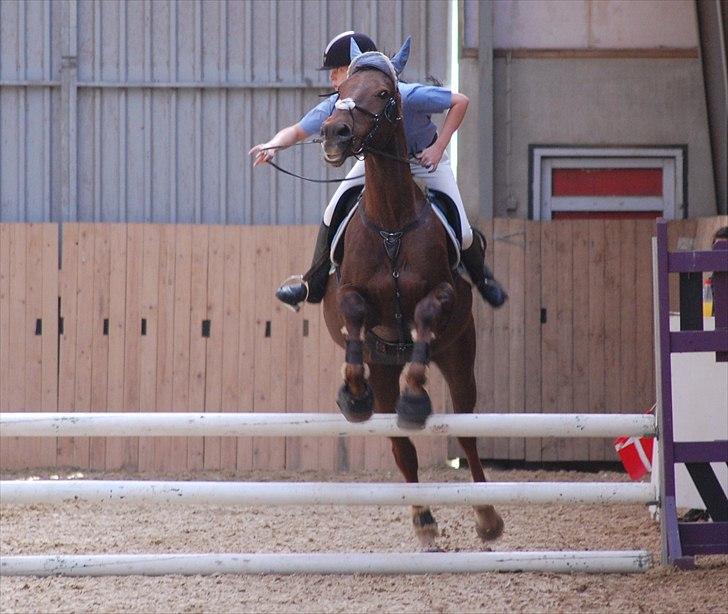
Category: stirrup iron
[289,281]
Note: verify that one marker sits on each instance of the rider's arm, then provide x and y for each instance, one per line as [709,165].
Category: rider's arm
[458,106]
[309,124]
[284,138]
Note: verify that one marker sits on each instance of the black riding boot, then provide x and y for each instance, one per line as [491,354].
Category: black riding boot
[313,286]
[473,259]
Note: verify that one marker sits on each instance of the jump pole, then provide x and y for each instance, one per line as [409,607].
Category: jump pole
[169,424]
[30,492]
[338,563]
[175,424]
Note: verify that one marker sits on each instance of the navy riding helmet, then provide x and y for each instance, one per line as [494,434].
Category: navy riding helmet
[337,52]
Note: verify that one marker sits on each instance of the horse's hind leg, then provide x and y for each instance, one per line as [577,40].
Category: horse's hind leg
[457,369]
[414,404]
[488,523]
[355,398]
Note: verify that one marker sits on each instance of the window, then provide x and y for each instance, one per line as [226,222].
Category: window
[582,183]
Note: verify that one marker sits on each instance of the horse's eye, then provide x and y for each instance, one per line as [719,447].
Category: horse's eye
[383,94]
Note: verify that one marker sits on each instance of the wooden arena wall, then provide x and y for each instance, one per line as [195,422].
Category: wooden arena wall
[146,317]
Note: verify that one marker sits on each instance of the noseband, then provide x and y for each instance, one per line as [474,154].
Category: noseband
[389,113]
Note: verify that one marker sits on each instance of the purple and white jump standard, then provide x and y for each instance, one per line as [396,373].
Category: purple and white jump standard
[681,541]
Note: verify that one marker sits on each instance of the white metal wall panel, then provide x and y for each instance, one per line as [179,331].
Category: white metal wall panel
[144,110]
[28,96]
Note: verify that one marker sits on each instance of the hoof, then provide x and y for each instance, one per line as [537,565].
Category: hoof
[490,530]
[356,409]
[425,529]
[413,411]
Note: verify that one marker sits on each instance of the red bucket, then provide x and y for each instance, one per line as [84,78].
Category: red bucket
[635,454]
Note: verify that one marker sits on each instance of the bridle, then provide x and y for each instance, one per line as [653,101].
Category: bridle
[389,113]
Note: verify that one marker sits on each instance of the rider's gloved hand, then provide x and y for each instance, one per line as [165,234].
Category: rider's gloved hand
[430,157]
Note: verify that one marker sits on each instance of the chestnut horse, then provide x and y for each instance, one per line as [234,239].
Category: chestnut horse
[394,280]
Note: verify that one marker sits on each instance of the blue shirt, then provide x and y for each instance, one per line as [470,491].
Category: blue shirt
[419,102]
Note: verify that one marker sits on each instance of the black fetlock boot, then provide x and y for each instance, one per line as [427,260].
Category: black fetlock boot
[473,259]
[311,286]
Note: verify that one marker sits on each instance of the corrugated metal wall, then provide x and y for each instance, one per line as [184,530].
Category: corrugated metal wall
[145,110]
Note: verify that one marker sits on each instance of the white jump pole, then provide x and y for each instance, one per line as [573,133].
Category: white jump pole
[322,493]
[86,424]
[325,563]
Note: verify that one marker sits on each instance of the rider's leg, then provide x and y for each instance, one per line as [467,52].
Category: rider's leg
[312,286]
[473,259]
[472,252]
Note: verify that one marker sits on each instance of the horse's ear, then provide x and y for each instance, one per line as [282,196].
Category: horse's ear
[354,51]
[399,61]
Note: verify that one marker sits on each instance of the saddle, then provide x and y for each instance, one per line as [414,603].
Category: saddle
[442,205]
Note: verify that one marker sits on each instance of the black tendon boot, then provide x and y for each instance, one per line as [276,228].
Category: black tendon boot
[312,286]
[473,259]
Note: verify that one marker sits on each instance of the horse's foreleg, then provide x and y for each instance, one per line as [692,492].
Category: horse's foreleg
[355,398]
[414,404]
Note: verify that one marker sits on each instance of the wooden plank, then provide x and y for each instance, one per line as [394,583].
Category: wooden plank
[262,339]
[15,455]
[32,447]
[49,306]
[311,357]
[612,323]
[532,333]
[100,320]
[178,454]
[297,250]
[229,328]
[501,333]
[515,241]
[280,317]
[431,451]
[164,447]
[213,362]
[549,331]
[628,363]
[680,237]
[597,399]
[196,313]
[332,357]
[67,456]
[149,305]
[485,353]
[580,328]
[644,337]
[4,327]
[706,228]
[248,333]
[84,333]
[132,339]
[115,447]
[564,331]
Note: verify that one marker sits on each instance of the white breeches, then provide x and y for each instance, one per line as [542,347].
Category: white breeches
[441,180]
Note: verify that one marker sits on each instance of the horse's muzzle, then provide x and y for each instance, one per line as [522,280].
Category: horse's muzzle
[337,139]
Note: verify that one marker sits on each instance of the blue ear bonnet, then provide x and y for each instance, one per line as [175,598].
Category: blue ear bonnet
[379,61]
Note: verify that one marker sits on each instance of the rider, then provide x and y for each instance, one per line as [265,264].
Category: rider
[430,163]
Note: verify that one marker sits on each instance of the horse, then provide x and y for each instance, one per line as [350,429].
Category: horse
[395,273]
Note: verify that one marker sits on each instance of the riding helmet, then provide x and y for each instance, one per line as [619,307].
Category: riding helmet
[337,54]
